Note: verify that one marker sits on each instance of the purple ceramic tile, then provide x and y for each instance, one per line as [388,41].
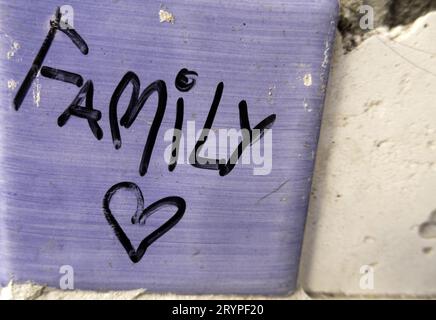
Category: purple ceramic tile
[90,95]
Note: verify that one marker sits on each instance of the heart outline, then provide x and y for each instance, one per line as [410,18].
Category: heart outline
[136,255]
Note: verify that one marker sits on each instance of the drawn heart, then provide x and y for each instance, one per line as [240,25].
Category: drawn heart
[140,217]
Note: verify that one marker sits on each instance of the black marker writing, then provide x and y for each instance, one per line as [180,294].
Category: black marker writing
[185,80]
[194,158]
[219,164]
[182,82]
[253,136]
[129,77]
[177,135]
[140,216]
[87,112]
[42,53]
[62,75]
[135,105]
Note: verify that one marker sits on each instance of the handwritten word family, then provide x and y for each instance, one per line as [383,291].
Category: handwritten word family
[82,106]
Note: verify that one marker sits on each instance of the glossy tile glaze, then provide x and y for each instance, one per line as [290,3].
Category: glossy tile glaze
[240,233]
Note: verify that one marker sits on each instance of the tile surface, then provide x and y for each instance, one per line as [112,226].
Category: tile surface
[240,233]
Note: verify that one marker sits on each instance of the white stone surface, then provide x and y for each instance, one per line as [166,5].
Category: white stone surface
[375,183]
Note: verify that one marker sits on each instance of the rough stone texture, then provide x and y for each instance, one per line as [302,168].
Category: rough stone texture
[390,13]
[373,197]
[29,291]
